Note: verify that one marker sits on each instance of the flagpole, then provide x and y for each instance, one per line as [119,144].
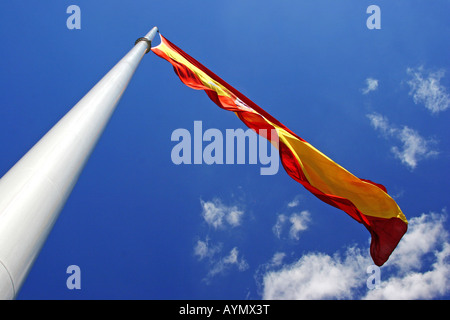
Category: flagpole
[35,189]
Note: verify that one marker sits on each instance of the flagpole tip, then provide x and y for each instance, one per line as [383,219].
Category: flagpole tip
[152,33]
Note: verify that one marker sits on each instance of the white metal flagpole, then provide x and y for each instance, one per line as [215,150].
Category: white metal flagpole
[35,189]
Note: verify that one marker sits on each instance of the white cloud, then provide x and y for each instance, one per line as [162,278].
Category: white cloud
[414,146]
[234,216]
[380,122]
[204,249]
[219,215]
[216,213]
[294,203]
[425,87]
[201,249]
[220,265]
[277,259]
[233,258]
[416,285]
[278,227]
[404,276]
[299,222]
[372,85]
[314,276]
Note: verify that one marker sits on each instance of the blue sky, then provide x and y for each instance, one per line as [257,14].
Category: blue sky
[141,227]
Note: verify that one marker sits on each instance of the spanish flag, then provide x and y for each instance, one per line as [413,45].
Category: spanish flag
[365,201]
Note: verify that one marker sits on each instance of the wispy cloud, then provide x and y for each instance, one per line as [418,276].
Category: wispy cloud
[294,203]
[232,259]
[425,88]
[323,276]
[371,85]
[204,249]
[278,227]
[219,216]
[277,259]
[219,264]
[298,222]
[216,214]
[414,147]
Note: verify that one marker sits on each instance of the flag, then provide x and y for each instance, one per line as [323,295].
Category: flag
[365,201]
